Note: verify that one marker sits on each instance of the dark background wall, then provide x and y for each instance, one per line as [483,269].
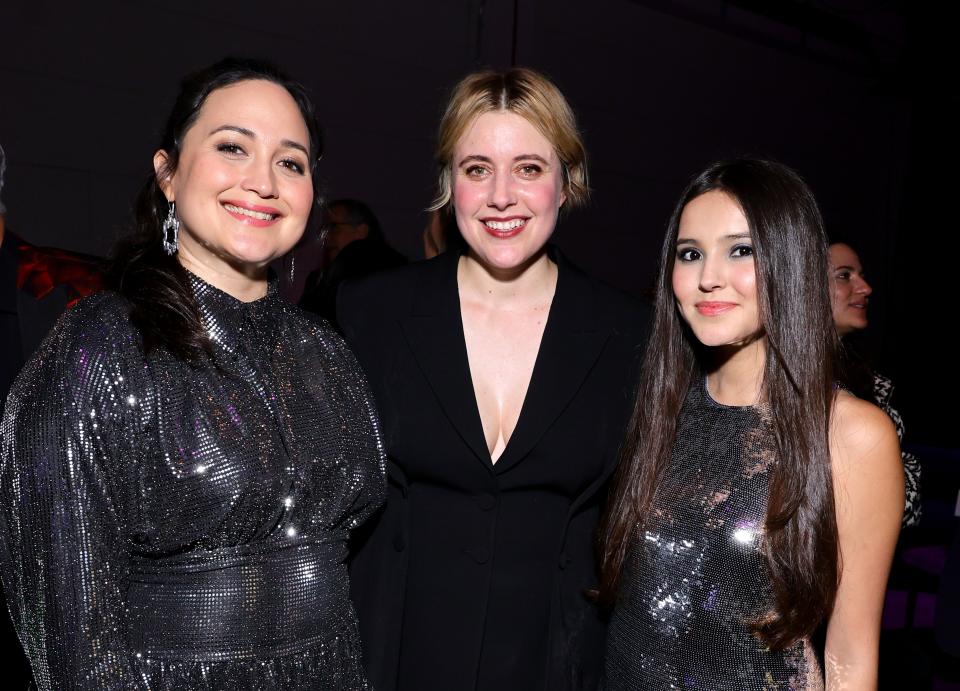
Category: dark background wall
[858,95]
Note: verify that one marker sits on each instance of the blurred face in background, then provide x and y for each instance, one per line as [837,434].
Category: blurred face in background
[849,290]
[340,231]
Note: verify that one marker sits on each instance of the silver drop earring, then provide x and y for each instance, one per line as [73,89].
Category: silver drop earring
[171,230]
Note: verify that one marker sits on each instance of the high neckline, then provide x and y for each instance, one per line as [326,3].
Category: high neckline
[208,293]
[225,317]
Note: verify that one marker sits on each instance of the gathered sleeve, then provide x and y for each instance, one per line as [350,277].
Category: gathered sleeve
[69,439]
[345,387]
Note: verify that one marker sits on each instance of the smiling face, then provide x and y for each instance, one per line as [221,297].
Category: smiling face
[714,278]
[242,185]
[507,190]
[849,290]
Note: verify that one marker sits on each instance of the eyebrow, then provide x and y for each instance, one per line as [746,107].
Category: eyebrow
[521,157]
[288,143]
[732,236]
[844,266]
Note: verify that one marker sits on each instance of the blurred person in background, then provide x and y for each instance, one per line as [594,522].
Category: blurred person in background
[850,298]
[36,285]
[441,234]
[353,247]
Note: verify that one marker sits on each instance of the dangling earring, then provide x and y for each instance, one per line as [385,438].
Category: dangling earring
[171,230]
[293,261]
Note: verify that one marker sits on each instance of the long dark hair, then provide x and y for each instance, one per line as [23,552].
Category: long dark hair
[155,284]
[798,387]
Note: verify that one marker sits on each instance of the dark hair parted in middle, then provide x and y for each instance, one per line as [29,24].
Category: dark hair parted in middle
[157,285]
[798,389]
[533,97]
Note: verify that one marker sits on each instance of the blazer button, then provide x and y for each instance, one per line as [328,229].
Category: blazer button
[486,501]
[399,543]
[565,561]
[481,555]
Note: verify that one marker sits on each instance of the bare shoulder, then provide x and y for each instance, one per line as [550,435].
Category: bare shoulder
[859,428]
[859,432]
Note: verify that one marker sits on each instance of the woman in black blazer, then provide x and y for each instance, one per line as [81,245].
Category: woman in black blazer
[503,377]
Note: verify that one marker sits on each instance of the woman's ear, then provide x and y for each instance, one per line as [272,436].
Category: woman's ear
[161,168]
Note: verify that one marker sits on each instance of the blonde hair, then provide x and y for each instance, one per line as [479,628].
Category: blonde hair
[533,97]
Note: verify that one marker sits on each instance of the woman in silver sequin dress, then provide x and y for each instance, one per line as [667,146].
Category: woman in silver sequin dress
[185,456]
[755,500]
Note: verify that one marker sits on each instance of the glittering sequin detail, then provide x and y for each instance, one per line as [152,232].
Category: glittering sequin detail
[175,526]
[696,574]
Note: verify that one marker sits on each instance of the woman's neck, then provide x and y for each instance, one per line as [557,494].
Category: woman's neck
[736,376]
[531,283]
[246,284]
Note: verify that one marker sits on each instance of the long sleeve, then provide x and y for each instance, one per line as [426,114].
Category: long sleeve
[68,439]
[339,375]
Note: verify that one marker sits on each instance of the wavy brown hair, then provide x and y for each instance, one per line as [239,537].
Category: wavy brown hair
[790,250]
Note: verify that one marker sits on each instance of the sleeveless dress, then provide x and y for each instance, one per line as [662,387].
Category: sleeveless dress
[166,525]
[697,573]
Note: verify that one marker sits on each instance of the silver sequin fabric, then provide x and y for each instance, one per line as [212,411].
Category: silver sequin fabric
[695,574]
[173,526]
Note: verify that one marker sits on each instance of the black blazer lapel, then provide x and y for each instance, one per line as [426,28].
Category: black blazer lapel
[434,332]
[572,342]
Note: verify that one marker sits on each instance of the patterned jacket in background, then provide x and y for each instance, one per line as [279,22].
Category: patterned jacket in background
[882,392]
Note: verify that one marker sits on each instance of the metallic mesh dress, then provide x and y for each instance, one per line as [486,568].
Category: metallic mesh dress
[696,574]
[168,526]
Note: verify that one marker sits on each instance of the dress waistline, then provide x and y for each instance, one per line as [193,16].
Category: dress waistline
[239,603]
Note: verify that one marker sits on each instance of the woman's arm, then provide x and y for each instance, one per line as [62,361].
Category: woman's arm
[868,492]
[65,438]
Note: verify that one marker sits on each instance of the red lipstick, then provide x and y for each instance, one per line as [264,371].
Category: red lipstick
[504,233]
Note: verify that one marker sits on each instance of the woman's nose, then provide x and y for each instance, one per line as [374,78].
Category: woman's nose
[711,275]
[261,180]
[502,194]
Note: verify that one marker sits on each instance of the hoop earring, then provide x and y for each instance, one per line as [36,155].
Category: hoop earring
[171,230]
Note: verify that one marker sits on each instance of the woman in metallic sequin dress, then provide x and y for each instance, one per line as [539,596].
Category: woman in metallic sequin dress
[756,499]
[186,454]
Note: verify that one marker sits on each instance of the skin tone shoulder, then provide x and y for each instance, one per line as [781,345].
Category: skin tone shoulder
[242,186]
[507,193]
[869,495]
[714,281]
